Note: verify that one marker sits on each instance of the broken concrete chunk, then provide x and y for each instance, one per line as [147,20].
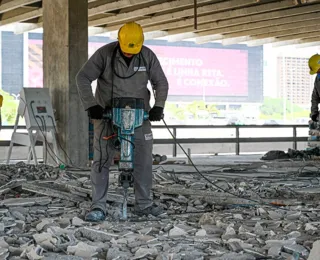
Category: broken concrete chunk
[293,235]
[115,253]
[272,243]
[54,256]
[83,250]
[301,250]
[25,202]
[294,216]
[275,215]
[201,233]
[35,253]
[2,227]
[207,219]
[181,199]
[212,229]
[235,256]
[315,251]
[95,235]
[43,223]
[290,226]
[145,252]
[237,216]
[77,222]
[18,215]
[309,227]
[274,250]
[258,229]
[230,230]
[39,238]
[176,231]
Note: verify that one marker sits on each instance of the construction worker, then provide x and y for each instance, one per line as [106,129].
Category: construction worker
[314,65]
[122,69]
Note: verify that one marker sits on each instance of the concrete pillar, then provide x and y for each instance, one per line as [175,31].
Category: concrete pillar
[65,50]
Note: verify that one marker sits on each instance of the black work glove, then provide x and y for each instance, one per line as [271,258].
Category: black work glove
[95,112]
[314,117]
[156,114]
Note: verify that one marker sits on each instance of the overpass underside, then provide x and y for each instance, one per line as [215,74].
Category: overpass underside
[253,22]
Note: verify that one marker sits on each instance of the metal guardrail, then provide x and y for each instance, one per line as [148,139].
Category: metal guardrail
[237,140]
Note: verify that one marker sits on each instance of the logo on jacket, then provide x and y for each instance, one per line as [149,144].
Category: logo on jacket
[140,68]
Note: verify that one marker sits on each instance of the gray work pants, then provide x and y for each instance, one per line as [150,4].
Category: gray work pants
[142,173]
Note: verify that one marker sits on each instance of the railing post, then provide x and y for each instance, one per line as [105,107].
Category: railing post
[237,140]
[174,151]
[295,146]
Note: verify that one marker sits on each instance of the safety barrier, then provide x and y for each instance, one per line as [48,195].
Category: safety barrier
[237,139]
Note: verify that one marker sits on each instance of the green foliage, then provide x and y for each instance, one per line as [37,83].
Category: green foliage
[181,112]
[272,108]
[9,108]
[195,106]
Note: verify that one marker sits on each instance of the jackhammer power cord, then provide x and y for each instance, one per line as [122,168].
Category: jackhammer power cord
[209,181]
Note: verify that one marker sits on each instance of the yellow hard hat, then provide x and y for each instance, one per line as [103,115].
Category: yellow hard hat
[314,64]
[131,38]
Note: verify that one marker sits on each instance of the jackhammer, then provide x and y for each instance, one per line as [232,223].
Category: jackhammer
[126,115]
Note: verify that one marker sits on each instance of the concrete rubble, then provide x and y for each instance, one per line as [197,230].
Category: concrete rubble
[42,214]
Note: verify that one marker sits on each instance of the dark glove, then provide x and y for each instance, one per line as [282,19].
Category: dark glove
[95,112]
[314,117]
[156,114]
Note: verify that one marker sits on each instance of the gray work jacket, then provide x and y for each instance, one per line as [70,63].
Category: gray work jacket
[146,65]
[315,99]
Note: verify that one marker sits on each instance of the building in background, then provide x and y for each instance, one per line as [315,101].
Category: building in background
[294,81]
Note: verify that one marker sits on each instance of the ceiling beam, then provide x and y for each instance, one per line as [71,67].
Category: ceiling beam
[288,38]
[300,27]
[235,40]
[21,28]
[161,22]
[252,42]
[267,32]
[210,28]
[13,4]
[137,14]
[115,6]
[20,16]
[308,44]
[221,19]
[94,31]
[297,41]
[299,36]
[181,36]
[278,30]
[257,24]
[109,7]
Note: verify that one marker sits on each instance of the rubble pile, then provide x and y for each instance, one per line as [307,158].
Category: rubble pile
[42,210]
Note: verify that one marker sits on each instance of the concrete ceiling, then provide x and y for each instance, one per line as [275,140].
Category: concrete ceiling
[254,22]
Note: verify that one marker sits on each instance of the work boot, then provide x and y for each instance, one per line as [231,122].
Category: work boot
[95,215]
[154,210]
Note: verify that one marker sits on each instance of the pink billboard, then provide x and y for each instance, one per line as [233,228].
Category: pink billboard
[204,71]
[190,71]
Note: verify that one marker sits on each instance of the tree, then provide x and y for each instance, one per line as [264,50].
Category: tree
[9,108]
[274,107]
[195,106]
